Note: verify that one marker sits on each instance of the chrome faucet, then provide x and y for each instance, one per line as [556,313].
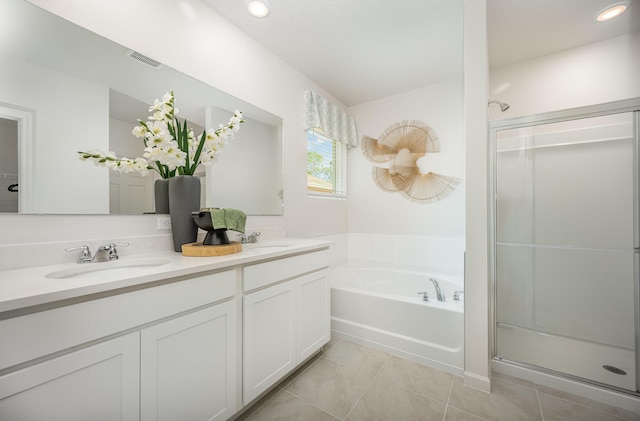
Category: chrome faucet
[251,238]
[439,291]
[104,253]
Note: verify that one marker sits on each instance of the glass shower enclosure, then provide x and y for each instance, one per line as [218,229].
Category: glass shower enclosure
[566,243]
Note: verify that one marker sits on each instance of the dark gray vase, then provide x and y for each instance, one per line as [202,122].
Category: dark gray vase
[184,198]
[161,196]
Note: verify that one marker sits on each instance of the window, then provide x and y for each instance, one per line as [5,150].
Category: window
[326,165]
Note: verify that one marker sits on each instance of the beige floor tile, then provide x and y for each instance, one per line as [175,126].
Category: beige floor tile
[287,381]
[384,401]
[627,415]
[259,404]
[330,386]
[454,414]
[506,402]
[330,344]
[366,384]
[286,407]
[557,409]
[418,378]
[622,413]
[357,356]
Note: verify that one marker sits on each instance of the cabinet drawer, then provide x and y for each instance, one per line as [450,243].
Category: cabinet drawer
[38,334]
[263,274]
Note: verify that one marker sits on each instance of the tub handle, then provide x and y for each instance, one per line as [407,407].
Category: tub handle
[458,295]
[425,295]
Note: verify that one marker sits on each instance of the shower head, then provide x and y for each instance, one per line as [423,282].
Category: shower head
[503,106]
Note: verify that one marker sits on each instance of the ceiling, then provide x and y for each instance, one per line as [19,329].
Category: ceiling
[362,50]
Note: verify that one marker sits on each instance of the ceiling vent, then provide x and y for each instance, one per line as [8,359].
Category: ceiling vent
[143,59]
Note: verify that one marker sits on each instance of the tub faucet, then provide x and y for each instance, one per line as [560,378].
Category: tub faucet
[439,292]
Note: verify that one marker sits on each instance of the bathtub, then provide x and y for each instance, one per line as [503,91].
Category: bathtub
[381,307]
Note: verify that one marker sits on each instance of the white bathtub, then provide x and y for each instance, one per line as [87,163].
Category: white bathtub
[381,307]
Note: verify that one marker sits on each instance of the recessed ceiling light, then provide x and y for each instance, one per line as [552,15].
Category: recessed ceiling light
[612,11]
[258,8]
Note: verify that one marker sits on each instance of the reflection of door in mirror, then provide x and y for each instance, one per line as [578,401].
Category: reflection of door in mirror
[129,193]
[8,165]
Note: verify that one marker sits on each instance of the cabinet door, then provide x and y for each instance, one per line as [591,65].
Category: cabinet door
[100,382]
[313,313]
[269,335]
[188,366]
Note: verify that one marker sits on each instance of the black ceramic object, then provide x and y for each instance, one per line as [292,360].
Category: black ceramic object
[184,198]
[214,236]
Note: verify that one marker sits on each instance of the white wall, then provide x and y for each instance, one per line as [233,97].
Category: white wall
[476,310]
[198,42]
[372,210]
[593,74]
[388,228]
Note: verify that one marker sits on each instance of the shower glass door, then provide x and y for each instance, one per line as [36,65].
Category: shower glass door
[565,249]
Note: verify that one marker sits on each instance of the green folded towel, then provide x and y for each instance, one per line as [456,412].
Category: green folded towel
[231,219]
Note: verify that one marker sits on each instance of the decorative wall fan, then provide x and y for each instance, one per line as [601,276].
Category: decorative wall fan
[401,162]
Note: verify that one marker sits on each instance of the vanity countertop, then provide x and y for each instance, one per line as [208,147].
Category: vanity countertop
[29,287]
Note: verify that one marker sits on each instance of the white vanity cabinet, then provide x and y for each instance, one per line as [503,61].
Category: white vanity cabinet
[162,353]
[285,318]
[199,340]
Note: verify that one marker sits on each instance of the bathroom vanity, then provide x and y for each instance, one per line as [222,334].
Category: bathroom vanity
[183,338]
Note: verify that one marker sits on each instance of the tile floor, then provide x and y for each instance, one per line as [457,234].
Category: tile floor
[348,381]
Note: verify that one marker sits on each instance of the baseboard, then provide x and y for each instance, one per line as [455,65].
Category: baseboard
[478,382]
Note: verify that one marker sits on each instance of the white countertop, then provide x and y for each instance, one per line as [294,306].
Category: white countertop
[22,288]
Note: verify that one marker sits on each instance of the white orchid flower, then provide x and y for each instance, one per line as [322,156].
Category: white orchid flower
[153,153]
[162,150]
[157,129]
[139,131]
[125,165]
[172,157]
[141,166]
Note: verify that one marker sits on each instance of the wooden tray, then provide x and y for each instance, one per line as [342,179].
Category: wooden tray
[199,250]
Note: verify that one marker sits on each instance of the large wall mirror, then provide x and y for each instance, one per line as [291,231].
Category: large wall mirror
[64,89]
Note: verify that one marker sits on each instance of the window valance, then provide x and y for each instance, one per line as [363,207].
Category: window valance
[321,114]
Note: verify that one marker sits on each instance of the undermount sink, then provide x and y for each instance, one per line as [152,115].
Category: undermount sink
[111,269]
